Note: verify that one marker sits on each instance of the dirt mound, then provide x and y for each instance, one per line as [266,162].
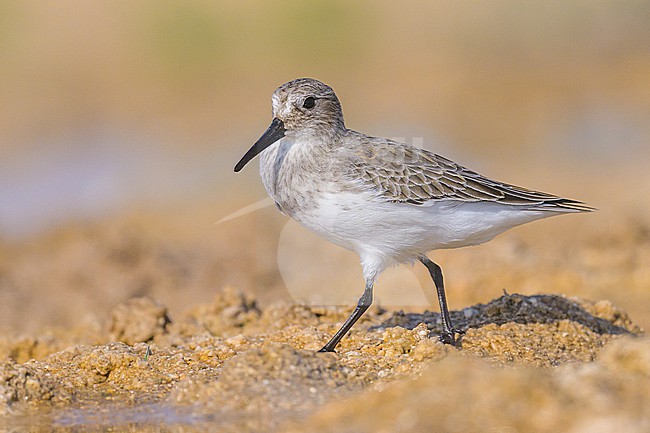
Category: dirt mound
[232,361]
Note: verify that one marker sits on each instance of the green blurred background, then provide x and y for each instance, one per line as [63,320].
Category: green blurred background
[113,105]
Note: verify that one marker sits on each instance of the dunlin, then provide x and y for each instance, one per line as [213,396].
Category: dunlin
[389,202]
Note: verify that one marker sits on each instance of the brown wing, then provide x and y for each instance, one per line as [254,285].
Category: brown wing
[407,174]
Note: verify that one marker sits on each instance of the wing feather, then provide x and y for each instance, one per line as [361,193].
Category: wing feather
[406,174]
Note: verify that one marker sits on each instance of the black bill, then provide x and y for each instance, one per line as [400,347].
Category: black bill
[274,133]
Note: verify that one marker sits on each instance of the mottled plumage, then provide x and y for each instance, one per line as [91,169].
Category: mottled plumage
[389,202]
[407,174]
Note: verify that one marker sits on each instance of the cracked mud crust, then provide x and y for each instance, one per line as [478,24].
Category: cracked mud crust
[232,360]
[123,326]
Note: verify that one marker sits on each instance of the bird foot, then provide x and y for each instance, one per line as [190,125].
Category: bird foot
[449,337]
[326,349]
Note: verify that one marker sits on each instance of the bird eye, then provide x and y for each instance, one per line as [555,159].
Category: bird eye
[309,102]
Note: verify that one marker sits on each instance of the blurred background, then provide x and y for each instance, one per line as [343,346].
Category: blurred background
[120,123]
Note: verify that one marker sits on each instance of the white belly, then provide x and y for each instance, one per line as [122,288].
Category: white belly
[384,233]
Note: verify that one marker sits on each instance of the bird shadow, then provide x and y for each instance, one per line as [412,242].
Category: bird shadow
[515,308]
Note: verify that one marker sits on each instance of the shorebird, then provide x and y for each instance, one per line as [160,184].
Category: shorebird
[389,202]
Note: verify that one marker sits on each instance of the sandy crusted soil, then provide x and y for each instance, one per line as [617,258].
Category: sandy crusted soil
[131,357]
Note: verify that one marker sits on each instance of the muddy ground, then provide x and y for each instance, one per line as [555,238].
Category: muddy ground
[129,326]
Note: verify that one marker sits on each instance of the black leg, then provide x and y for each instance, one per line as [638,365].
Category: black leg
[448,335]
[364,303]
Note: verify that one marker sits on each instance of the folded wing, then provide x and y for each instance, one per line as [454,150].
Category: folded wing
[406,174]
